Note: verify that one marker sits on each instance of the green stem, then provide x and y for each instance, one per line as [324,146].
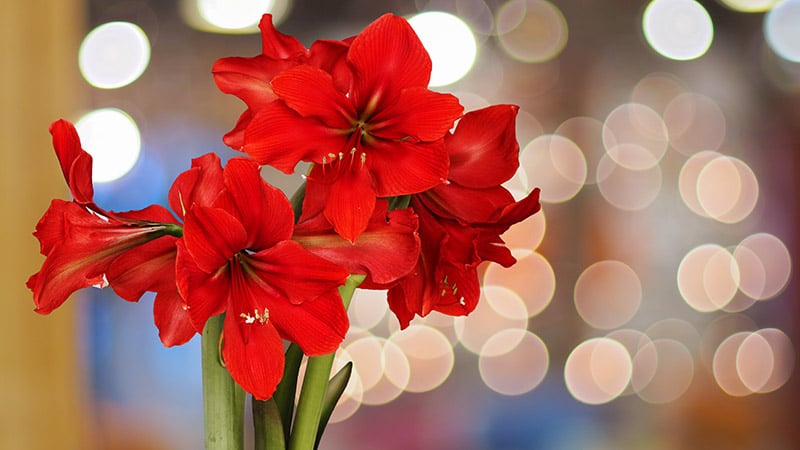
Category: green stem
[223,399]
[315,383]
[267,426]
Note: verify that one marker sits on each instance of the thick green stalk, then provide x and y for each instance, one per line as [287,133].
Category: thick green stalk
[223,399]
[315,383]
[267,426]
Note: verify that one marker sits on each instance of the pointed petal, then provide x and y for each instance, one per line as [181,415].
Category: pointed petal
[256,363]
[467,205]
[279,137]
[387,56]
[398,305]
[150,267]
[483,149]
[172,319]
[331,56]
[76,164]
[351,203]
[317,326]
[418,113]
[212,236]
[402,168]
[205,294]
[248,78]
[275,44]
[200,185]
[235,138]
[311,93]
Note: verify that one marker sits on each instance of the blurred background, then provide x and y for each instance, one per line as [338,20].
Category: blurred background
[654,304]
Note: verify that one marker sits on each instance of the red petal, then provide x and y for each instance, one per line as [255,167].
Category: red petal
[76,164]
[317,326]
[235,138]
[387,56]
[212,236]
[263,210]
[279,137]
[172,319]
[150,267]
[256,363]
[401,168]
[311,93]
[248,78]
[467,205]
[205,294]
[386,251]
[351,203]
[199,185]
[418,113]
[331,56]
[275,44]
[483,150]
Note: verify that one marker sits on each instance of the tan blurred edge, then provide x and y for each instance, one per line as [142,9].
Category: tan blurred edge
[43,399]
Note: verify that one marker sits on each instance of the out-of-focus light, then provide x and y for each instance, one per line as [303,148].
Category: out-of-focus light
[678,29]
[114,55]
[524,237]
[675,329]
[727,189]
[450,43]
[634,136]
[368,307]
[708,277]
[695,122]
[556,165]
[657,90]
[627,189]
[513,362]
[587,134]
[429,354]
[765,265]
[669,377]
[394,373]
[486,320]
[232,16]
[597,371]
[687,179]
[364,353]
[718,330]
[633,340]
[531,30]
[350,401]
[781,30]
[532,278]
[726,366]
[753,362]
[783,354]
[112,138]
[750,6]
[607,294]
[477,13]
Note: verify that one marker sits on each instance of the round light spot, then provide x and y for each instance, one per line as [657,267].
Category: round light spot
[695,122]
[112,138]
[781,30]
[687,179]
[524,237]
[532,278]
[366,354]
[607,294]
[719,330]
[750,6]
[531,30]
[783,357]
[597,371]
[350,401]
[114,55]
[634,136]
[368,308]
[429,355]
[765,265]
[755,361]
[727,189]
[556,165]
[725,368]
[233,14]
[678,29]
[708,277]
[587,134]
[669,377]
[626,189]
[657,90]
[513,362]
[485,321]
[450,43]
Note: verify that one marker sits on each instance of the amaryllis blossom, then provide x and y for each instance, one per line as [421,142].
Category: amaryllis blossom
[249,78]
[85,245]
[380,136]
[461,221]
[237,257]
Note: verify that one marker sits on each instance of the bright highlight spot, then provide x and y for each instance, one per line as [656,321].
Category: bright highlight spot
[531,30]
[513,362]
[708,277]
[628,189]
[556,165]
[727,189]
[678,29]
[450,43]
[597,371]
[429,354]
[233,14]
[114,55]
[634,136]
[781,30]
[765,265]
[368,308]
[754,362]
[524,237]
[498,309]
[532,279]
[668,367]
[750,6]
[112,138]
[607,294]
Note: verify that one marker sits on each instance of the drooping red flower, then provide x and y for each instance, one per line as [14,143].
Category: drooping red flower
[237,257]
[461,221]
[249,78]
[380,136]
[85,245]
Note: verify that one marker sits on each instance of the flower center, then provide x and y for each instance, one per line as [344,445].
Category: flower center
[260,317]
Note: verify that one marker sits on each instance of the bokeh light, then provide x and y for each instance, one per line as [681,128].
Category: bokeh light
[587,134]
[695,122]
[368,308]
[598,370]
[628,189]
[750,6]
[781,30]
[350,401]
[678,29]
[429,355]
[513,362]
[663,370]
[783,359]
[524,237]
[687,179]
[112,138]
[657,90]
[765,265]
[607,294]
[727,189]
[498,309]
[114,55]
[532,279]
[634,136]
[450,43]
[531,30]
[556,165]
[232,16]
[708,277]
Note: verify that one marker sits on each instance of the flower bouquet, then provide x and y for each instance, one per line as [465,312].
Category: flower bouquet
[403,194]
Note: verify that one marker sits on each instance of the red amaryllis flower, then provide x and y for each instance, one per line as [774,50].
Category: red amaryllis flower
[461,221]
[85,245]
[382,137]
[249,78]
[237,257]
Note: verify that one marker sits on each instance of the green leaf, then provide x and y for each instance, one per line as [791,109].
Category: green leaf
[285,393]
[336,387]
[267,424]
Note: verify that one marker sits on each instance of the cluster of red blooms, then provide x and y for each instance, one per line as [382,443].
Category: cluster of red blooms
[392,194]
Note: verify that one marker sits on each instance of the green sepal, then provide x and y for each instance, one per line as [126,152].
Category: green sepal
[400,202]
[336,387]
